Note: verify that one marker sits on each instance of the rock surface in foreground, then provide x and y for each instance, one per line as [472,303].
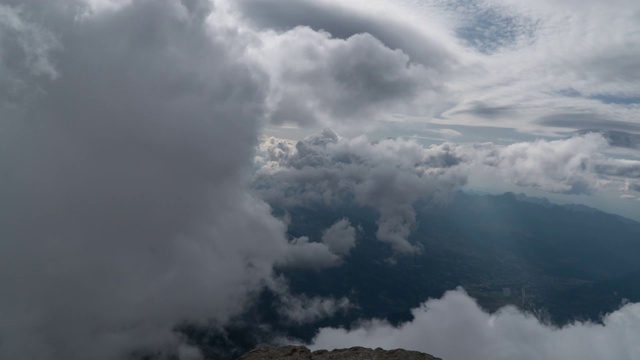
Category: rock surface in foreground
[354,353]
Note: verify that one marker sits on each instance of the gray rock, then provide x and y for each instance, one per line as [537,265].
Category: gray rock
[354,353]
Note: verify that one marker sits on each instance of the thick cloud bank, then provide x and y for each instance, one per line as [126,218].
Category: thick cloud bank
[576,165]
[455,328]
[122,199]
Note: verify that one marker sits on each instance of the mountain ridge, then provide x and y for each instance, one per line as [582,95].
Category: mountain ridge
[292,352]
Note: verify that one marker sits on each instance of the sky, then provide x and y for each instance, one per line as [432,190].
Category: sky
[142,141]
[499,72]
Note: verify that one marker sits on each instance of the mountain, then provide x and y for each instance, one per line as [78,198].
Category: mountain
[501,249]
[559,262]
[354,353]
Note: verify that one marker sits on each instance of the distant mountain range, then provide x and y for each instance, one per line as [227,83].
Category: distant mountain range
[559,262]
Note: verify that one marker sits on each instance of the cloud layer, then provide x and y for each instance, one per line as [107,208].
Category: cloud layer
[391,175]
[455,328]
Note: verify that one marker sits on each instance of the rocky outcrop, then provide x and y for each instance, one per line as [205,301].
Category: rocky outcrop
[354,353]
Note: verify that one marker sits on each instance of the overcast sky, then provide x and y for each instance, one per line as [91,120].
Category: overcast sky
[140,141]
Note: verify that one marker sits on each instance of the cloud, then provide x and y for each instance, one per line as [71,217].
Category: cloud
[555,166]
[486,63]
[317,79]
[388,175]
[455,328]
[303,253]
[127,162]
[575,165]
[25,56]
[427,43]
[391,174]
[123,196]
[302,309]
[129,128]
[340,237]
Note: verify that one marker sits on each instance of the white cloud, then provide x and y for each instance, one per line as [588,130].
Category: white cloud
[429,43]
[577,165]
[388,175]
[340,237]
[555,166]
[455,328]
